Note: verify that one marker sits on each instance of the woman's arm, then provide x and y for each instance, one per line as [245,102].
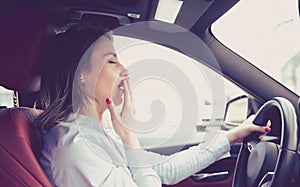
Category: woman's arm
[142,174]
[174,168]
[178,166]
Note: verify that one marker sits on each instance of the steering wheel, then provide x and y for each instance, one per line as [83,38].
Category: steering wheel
[266,163]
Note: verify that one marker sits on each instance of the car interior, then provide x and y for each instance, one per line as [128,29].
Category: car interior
[27,31]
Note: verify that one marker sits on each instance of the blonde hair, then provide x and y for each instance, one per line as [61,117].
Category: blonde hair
[70,51]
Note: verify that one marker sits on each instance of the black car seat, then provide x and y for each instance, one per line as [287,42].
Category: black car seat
[22,36]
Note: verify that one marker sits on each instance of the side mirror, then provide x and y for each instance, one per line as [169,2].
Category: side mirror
[236,112]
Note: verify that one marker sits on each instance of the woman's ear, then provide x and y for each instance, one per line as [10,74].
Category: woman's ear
[81,78]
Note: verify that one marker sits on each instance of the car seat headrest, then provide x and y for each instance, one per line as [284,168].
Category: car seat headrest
[22,36]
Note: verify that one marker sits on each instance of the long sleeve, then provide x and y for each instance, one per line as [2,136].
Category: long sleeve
[143,174]
[176,167]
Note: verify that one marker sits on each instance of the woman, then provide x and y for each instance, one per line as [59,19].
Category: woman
[78,150]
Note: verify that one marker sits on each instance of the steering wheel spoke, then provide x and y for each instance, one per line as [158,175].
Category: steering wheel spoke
[266,180]
[251,141]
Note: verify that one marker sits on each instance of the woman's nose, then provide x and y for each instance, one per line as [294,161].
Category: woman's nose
[124,72]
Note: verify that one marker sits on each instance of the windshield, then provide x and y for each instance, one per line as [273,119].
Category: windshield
[265,33]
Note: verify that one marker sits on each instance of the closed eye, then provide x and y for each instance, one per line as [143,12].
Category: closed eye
[112,62]
[113,59]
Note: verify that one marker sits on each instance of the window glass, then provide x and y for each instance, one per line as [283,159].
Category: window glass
[266,33]
[162,80]
[6,97]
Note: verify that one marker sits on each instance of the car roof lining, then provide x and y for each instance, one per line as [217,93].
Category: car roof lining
[201,26]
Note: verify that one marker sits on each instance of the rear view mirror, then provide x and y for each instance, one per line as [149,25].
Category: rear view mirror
[236,112]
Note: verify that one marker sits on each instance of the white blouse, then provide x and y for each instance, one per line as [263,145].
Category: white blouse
[81,153]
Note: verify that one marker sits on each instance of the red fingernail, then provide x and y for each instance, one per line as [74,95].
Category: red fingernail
[108,100]
[267,129]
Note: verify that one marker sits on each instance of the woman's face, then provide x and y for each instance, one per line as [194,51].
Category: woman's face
[104,78]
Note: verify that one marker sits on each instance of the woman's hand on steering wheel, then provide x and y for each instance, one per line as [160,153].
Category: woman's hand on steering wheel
[239,133]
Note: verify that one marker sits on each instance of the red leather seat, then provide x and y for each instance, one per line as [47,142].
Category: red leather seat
[22,36]
[19,149]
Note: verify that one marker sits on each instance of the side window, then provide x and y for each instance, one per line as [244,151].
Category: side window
[6,97]
[178,100]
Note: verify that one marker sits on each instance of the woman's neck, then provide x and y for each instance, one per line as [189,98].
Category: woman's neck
[93,111]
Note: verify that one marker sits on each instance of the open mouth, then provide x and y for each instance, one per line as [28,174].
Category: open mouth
[121,86]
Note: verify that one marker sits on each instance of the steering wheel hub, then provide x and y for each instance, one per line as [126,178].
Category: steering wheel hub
[261,160]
